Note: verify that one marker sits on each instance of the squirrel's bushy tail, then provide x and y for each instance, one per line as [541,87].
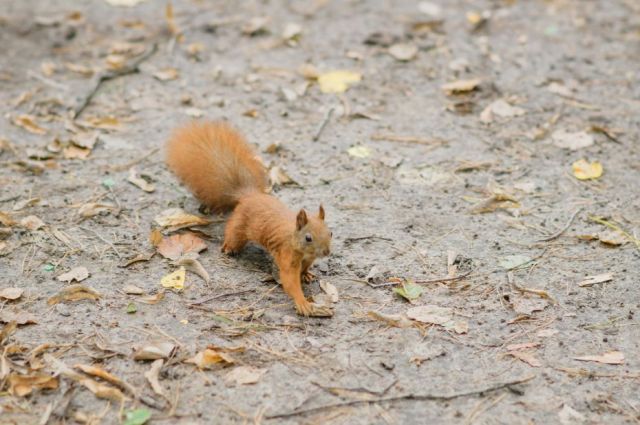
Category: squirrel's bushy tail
[216,163]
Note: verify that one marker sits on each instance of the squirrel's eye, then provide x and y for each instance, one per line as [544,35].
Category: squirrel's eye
[330,234]
[308,237]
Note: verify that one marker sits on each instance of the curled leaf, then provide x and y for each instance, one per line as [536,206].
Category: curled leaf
[176,246]
[75,292]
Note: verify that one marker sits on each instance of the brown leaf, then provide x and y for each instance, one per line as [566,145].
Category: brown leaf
[154,350]
[175,246]
[103,374]
[7,331]
[75,152]
[396,320]
[32,223]
[75,292]
[210,357]
[461,86]
[330,290]
[136,180]
[143,256]
[190,262]
[20,317]
[176,218]
[11,294]
[77,273]
[102,390]
[278,177]
[91,209]
[430,314]
[22,385]
[83,70]
[6,220]
[610,357]
[152,376]
[152,299]
[28,123]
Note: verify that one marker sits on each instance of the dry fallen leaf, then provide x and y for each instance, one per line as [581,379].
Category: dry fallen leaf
[28,123]
[166,74]
[22,385]
[278,177]
[176,218]
[154,350]
[359,151]
[210,357]
[430,314]
[75,292]
[176,246]
[461,86]
[135,179]
[256,25]
[101,390]
[592,280]
[571,140]
[396,320]
[152,376]
[32,223]
[330,290]
[91,209]
[103,374]
[584,170]
[338,81]
[132,290]
[244,375]
[611,238]
[610,357]
[152,299]
[18,316]
[500,108]
[403,51]
[83,70]
[190,262]
[174,280]
[77,273]
[143,256]
[527,306]
[11,294]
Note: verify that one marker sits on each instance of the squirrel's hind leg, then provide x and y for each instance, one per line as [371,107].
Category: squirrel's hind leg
[234,235]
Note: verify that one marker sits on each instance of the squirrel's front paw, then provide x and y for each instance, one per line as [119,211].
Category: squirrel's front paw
[308,309]
[307,277]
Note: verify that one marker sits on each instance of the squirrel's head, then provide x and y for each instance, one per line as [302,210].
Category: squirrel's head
[312,235]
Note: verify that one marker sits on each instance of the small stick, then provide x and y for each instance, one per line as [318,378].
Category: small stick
[215,297]
[110,75]
[86,229]
[134,162]
[410,396]
[561,231]
[323,124]
[442,279]
[408,139]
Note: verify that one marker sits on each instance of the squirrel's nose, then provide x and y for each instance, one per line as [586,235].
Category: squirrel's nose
[326,252]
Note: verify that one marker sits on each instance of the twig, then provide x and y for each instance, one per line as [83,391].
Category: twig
[410,396]
[561,231]
[113,247]
[215,297]
[409,139]
[130,164]
[110,75]
[422,282]
[323,124]
[612,226]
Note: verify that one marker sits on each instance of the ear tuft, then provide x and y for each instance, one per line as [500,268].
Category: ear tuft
[301,219]
[321,212]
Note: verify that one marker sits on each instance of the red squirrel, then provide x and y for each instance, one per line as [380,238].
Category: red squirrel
[215,162]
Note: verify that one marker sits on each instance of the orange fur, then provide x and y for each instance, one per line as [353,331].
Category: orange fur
[216,163]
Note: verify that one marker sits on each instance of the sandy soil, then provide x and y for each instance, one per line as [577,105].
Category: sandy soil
[433,176]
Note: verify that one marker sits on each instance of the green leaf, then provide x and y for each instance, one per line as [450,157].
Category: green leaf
[512,261]
[137,417]
[108,182]
[410,291]
[49,267]
[132,308]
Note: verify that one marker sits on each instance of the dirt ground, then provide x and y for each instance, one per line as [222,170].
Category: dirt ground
[419,182]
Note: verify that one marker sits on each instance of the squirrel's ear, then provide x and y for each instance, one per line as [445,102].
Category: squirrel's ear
[301,219]
[321,212]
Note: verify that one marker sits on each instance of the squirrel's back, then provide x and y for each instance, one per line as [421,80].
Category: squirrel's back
[215,162]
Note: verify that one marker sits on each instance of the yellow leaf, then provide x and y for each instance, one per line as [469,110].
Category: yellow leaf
[584,170]
[175,219]
[338,81]
[359,151]
[29,123]
[175,280]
